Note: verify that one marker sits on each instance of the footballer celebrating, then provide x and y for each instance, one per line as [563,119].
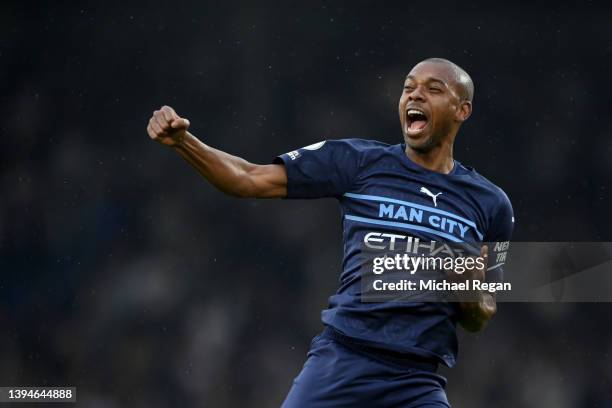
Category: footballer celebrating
[383,354]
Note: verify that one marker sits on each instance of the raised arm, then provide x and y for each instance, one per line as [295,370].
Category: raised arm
[230,174]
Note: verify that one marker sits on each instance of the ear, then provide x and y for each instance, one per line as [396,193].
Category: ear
[464,111]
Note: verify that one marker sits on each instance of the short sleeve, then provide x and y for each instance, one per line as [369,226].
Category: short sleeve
[498,236]
[324,169]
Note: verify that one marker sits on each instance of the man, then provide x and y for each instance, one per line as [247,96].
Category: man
[378,354]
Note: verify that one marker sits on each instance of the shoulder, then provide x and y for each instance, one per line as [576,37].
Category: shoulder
[347,155]
[492,191]
[357,151]
[365,150]
[357,144]
[501,198]
[498,208]
[498,221]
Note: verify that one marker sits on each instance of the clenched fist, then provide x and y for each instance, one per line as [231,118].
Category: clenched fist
[166,127]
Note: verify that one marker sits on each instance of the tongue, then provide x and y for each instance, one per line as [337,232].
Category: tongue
[418,124]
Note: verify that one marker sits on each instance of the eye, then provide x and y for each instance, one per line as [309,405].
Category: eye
[408,88]
[435,89]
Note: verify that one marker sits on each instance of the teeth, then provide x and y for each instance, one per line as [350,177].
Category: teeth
[415,112]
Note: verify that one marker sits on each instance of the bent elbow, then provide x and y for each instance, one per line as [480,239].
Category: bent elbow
[474,326]
[475,322]
[240,192]
[243,188]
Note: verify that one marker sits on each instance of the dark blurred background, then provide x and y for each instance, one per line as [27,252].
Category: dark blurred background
[126,275]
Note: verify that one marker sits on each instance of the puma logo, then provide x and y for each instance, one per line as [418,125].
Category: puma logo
[433,196]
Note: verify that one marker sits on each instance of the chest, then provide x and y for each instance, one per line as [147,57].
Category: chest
[427,207]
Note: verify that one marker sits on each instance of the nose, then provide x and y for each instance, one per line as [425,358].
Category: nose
[416,94]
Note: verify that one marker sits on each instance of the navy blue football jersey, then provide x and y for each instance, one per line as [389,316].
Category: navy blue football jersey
[388,200]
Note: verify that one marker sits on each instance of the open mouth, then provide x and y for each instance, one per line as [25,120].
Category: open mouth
[416,120]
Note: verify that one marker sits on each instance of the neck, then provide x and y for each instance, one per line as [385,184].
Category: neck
[438,159]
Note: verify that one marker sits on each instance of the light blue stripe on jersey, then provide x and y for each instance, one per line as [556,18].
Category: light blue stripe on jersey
[419,206]
[402,225]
